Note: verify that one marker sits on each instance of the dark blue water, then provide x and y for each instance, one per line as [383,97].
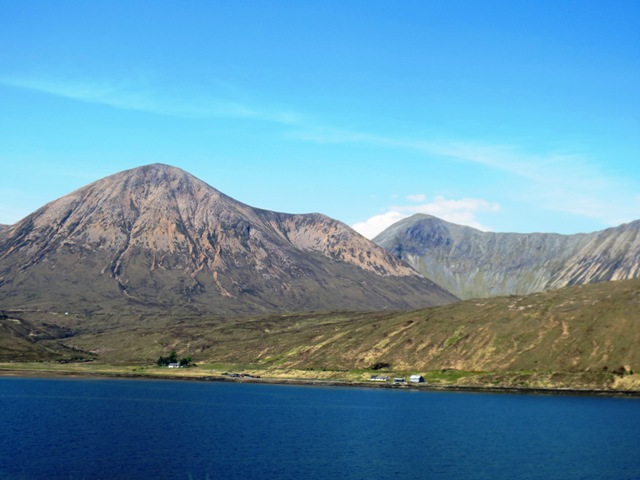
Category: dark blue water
[119,429]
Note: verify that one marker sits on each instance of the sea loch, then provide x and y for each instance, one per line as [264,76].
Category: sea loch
[124,429]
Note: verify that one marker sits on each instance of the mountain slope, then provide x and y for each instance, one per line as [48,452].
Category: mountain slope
[157,237]
[475,264]
[611,254]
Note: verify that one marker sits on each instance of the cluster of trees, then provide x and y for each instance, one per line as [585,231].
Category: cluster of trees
[173,358]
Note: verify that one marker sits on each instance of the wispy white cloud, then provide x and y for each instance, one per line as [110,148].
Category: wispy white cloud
[146,96]
[461,212]
[557,181]
[420,197]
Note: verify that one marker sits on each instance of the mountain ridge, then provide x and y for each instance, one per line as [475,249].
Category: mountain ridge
[475,264]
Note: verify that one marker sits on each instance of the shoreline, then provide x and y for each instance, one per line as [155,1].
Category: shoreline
[426,387]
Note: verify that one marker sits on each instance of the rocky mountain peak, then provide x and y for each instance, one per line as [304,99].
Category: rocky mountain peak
[156,234]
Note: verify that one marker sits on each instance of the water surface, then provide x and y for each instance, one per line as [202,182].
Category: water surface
[121,429]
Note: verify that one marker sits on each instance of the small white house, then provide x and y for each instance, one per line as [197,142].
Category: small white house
[416,379]
[379,378]
[174,365]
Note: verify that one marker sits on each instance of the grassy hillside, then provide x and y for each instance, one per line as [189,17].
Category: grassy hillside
[24,341]
[585,336]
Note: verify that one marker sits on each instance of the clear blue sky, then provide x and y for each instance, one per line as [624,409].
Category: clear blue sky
[507,115]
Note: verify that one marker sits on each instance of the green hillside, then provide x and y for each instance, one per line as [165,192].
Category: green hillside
[581,337]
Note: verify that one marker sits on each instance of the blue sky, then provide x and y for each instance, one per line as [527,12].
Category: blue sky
[504,115]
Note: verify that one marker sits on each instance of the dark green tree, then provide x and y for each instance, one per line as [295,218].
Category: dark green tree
[173,358]
[162,361]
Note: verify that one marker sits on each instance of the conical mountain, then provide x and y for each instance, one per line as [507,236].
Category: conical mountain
[156,237]
[475,264]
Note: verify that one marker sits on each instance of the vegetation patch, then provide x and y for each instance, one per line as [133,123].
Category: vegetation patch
[455,338]
[380,366]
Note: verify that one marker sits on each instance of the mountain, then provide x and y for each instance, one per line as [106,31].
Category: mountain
[475,264]
[156,237]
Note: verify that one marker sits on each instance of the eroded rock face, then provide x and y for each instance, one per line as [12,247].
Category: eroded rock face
[157,236]
[475,264]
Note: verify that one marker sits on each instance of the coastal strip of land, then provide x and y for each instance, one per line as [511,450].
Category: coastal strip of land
[290,377]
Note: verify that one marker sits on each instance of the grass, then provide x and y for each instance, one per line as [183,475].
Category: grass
[447,376]
[455,338]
